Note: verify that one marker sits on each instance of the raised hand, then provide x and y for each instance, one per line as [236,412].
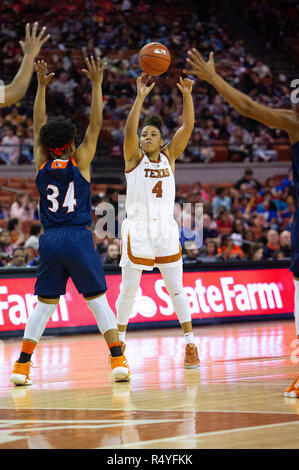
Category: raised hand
[142,89]
[185,86]
[94,70]
[40,68]
[200,68]
[33,43]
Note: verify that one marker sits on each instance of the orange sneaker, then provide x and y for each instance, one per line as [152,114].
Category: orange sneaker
[123,348]
[120,369]
[191,357]
[293,390]
[20,373]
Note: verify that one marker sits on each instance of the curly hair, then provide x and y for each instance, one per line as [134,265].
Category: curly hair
[57,132]
[153,120]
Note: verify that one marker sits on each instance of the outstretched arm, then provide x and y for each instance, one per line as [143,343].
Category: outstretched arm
[132,151]
[180,139]
[278,118]
[85,153]
[16,90]
[39,111]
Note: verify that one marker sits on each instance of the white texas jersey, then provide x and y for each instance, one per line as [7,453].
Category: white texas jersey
[150,189]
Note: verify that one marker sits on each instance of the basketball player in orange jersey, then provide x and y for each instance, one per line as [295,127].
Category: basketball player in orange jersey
[284,119]
[16,90]
[150,235]
[66,247]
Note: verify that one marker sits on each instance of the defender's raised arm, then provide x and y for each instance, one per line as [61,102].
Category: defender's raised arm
[87,149]
[16,90]
[279,118]
[39,111]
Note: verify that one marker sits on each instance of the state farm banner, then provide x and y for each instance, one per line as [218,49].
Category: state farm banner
[212,295]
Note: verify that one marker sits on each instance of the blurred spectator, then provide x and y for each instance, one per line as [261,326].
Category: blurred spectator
[10,147]
[196,188]
[3,212]
[221,200]
[27,147]
[191,255]
[248,181]
[255,252]
[238,232]
[285,243]
[262,147]
[64,87]
[238,147]
[273,245]
[15,118]
[21,208]
[5,242]
[16,234]
[228,250]
[112,255]
[18,259]
[210,252]
[224,223]
[209,227]
[33,239]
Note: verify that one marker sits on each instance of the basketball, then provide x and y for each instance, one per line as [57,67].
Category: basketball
[154,58]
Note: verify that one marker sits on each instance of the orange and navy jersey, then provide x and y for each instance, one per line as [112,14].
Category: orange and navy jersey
[65,197]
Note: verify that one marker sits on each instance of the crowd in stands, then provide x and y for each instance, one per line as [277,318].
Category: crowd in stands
[277,21]
[245,220]
[116,30]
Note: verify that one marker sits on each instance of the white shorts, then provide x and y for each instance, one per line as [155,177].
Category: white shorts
[148,244]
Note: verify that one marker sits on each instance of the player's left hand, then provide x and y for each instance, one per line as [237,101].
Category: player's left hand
[185,85]
[94,69]
[41,68]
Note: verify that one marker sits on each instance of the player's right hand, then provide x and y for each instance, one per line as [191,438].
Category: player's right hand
[200,68]
[33,43]
[142,88]
[41,68]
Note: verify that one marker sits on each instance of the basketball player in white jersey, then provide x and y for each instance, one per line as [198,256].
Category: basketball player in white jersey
[150,235]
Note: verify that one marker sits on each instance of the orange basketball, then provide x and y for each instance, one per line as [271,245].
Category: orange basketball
[154,58]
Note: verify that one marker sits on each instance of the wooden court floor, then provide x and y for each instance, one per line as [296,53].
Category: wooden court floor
[234,401]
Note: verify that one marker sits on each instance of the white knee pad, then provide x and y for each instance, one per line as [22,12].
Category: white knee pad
[103,313]
[173,278]
[38,320]
[128,290]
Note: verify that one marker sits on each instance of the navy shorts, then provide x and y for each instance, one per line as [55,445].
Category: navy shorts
[294,267]
[65,252]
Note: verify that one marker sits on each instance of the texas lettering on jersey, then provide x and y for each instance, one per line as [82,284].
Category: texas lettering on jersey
[153,173]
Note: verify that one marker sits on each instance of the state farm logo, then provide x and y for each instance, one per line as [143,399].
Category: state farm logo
[227,297]
[16,308]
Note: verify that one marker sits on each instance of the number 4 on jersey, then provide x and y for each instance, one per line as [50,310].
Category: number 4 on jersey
[157,189]
[69,200]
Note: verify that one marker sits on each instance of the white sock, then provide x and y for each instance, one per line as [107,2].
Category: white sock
[122,336]
[189,338]
[38,320]
[296,306]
